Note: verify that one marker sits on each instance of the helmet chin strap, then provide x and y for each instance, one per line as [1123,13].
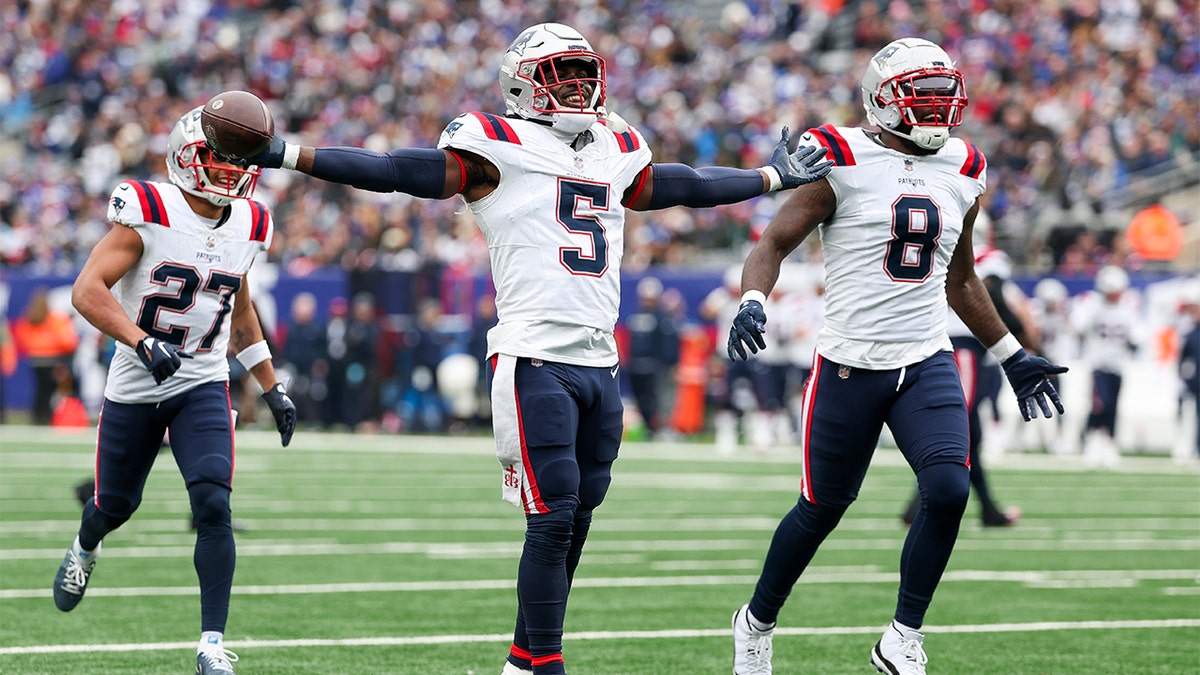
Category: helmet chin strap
[566,126]
[926,138]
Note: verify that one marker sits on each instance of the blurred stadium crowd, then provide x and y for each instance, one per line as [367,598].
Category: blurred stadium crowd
[1071,100]
[1088,113]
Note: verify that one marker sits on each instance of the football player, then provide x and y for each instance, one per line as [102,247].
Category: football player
[1108,318]
[549,182]
[896,216]
[169,284]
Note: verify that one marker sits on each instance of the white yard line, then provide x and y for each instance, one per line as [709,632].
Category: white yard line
[1032,578]
[501,638]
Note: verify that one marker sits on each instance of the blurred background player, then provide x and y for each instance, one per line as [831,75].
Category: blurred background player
[895,218]
[548,184]
[653,354]
[740,391]
[1106,320]
[177,259]
[1051,311]
[1187,448]
[981,378]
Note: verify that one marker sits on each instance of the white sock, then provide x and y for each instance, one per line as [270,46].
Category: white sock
[756,624]
[79,550]
[902,629]
[210,639]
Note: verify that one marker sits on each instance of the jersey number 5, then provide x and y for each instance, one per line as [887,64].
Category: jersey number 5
[572,194]
[916,227]
[183,299]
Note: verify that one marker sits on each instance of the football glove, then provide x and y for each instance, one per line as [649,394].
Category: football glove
[801,167]
[283,410]
[748,328]
[1028,376]
[161,358]
[270,157]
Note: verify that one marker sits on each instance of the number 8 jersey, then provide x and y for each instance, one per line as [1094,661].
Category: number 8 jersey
[555,233]
[182,288]
[888,246]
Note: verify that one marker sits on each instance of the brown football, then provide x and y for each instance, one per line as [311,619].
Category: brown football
[237,124]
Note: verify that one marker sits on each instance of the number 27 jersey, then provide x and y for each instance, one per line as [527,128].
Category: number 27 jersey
[182,288]
[887,248]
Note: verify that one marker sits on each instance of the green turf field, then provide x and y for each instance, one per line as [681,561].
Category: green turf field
[373,555]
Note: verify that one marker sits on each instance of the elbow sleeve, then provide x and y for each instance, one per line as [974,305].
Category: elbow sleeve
[420,172]
[681,185]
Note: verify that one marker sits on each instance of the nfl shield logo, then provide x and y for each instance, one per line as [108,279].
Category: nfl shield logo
[908,165]
[578,162]
[211,242]
[844,372]
[536,363]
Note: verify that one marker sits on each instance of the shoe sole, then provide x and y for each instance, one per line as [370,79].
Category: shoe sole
[881,664]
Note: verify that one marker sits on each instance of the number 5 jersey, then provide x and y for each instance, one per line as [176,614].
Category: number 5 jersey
[555,233]
[888,246]
[182,289]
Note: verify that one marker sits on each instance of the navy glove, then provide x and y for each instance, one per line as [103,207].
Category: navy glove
[284,411]
[1028,377]
[270,157]
[801,167]
[161,358]
[748,327]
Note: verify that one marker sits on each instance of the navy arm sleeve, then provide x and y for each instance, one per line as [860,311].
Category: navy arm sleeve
[420,172]
[681,185]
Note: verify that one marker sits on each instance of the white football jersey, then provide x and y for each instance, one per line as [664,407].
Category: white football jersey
[888,246]
[1111,331]
[182,289]
[555,229]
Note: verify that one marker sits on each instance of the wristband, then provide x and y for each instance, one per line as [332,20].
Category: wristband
[773,177]
[1005,347]
[254,354]
[291,154]
[757,296]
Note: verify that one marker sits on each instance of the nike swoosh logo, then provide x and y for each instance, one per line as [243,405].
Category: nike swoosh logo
[613,372]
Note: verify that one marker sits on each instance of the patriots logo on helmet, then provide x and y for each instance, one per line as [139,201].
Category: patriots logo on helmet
[117,203]
[522,42]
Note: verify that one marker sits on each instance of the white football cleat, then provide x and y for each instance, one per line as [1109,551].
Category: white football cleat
[510,669]
[899,652]
[751,648]
[217,661]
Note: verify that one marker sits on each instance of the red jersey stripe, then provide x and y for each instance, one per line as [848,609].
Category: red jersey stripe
[497,128]
[975,164]
[639,186]
[839,149]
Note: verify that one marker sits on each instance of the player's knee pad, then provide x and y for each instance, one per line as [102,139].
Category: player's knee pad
[945,486]
[548,535]
[593,487]
[117,506]
[818,519]
[107,520]
[210,504]
[210,468]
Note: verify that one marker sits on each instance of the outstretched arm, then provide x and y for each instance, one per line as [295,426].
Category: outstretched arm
[421,172]
[665,185]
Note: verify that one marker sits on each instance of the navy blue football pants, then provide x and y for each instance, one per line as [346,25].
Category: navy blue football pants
[1106,391]
[130,436]
[569,419]
[843,414]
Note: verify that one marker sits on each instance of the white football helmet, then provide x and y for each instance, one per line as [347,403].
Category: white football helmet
[912,89]
[189,161]
[530,68]
[1111,280]
[1051,291]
